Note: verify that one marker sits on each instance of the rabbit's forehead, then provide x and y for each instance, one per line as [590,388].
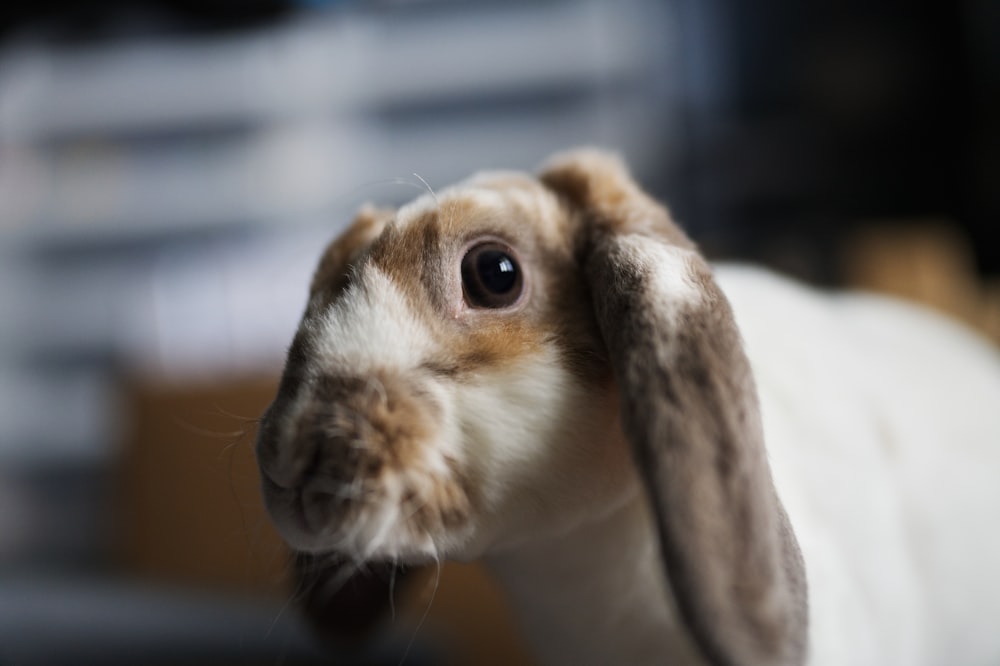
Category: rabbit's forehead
[501,202]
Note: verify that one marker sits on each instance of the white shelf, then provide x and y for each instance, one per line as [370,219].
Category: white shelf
[339,63]
[118,193]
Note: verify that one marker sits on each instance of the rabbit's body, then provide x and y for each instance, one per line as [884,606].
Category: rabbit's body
[882,423]
[544,373]
[883,430]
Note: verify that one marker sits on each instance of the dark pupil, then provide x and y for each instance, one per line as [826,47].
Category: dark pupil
[496,271]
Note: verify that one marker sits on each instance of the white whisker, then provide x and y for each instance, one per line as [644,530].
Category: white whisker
[427,609]
[429,188]
[392,588]
[387,519]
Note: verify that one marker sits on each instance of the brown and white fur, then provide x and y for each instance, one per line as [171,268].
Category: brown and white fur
[599,442]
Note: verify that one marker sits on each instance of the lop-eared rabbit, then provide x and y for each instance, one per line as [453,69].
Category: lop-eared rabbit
[662,462]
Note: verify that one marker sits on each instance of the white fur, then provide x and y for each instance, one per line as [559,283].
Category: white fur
[485,199]
[883,429]
[523,193]
[670,269]
[882,423]
[590,596]
[370,326]
[547,455]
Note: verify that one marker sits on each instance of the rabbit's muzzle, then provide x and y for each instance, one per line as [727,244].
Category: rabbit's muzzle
[350,464]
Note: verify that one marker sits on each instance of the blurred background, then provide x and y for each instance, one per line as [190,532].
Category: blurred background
[170,171]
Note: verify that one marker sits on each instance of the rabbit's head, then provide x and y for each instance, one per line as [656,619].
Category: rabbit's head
[497,361]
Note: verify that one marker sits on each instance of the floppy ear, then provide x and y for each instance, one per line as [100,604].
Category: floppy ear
[342,608]
[332,272]
[690,413]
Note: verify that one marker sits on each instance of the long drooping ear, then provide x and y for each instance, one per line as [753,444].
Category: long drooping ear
[691,415]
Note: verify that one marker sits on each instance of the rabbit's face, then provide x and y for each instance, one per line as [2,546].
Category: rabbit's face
[481,366]
[447,391]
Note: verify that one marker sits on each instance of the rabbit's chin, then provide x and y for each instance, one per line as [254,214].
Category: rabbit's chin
[404,517]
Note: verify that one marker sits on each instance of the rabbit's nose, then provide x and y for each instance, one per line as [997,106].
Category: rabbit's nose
[310,421]
[320,441]
[324,501]
[330,451]
[277,468]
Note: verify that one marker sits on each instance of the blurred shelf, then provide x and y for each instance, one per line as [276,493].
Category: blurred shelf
[322,64]
[66,416]
[107,193]
[141,140]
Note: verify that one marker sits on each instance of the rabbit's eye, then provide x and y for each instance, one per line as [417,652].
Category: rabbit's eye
[491,277]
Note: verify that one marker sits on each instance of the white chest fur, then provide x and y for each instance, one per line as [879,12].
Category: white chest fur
[596,595]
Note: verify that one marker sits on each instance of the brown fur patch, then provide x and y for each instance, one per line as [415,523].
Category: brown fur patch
[445,506]
[590,181]
[354,434]
[410,255]
[496,343]
[386,419]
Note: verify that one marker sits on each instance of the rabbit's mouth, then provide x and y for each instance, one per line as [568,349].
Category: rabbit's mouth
[353,469]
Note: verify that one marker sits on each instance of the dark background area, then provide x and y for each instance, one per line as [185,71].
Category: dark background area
[841,113]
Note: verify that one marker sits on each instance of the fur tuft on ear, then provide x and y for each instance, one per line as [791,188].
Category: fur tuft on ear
[332,272]
[691,415]
[598,185]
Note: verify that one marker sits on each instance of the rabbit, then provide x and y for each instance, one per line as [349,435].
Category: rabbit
[661,461]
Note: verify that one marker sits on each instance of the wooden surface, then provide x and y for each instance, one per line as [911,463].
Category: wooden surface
[191,514]
[926,262]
